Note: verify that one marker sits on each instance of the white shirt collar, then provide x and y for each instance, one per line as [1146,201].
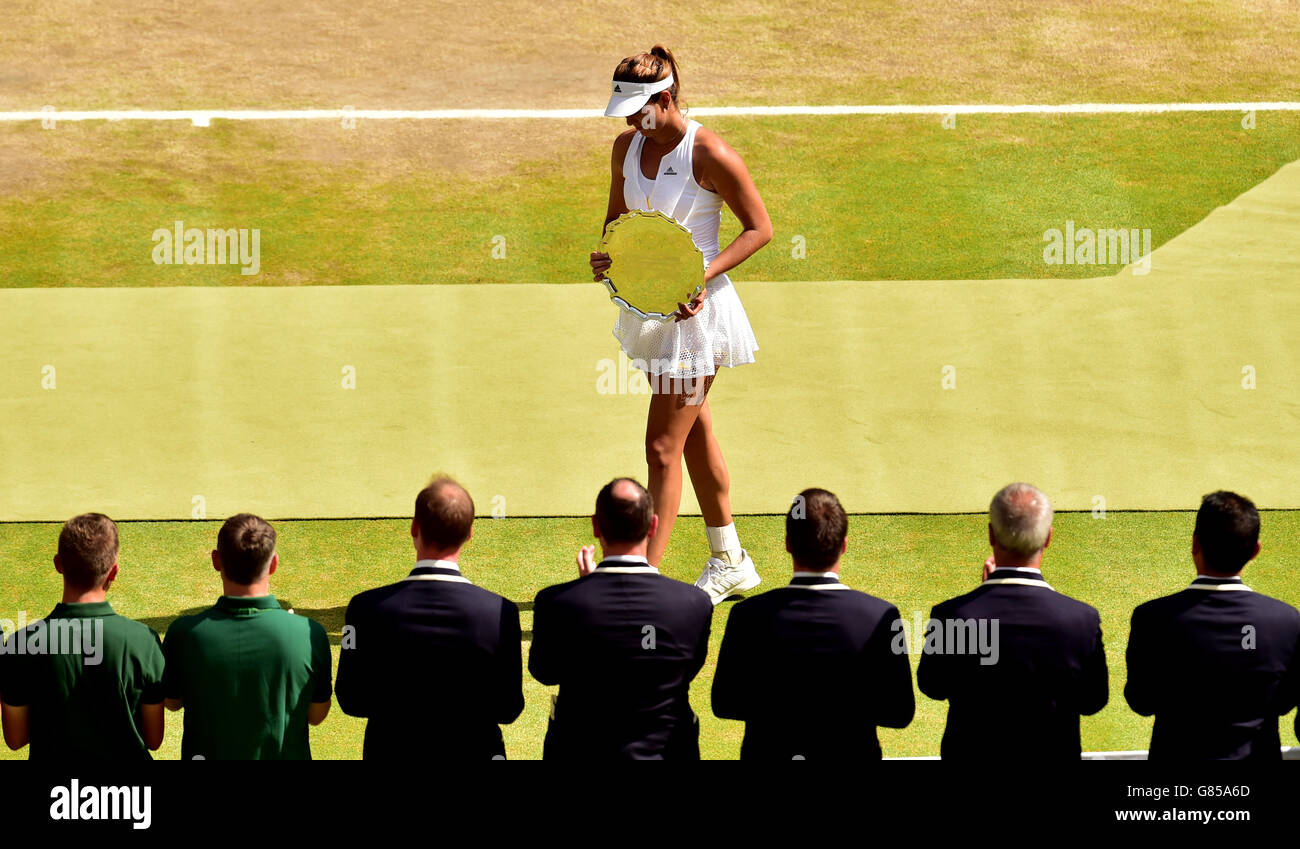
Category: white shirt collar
[808,573]
[441,564]
[626,558]
[1019,569]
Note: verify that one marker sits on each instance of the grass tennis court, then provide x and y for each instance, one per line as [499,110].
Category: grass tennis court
[922,252]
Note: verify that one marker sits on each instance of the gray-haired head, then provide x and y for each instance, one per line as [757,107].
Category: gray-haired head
[1021,517]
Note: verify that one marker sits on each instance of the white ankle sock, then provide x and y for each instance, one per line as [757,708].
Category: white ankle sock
[724,544]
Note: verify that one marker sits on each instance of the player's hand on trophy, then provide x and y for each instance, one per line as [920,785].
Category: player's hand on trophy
[600,263]
[586,560]
[685,311]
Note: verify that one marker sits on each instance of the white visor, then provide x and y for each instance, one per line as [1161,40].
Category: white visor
[628,98]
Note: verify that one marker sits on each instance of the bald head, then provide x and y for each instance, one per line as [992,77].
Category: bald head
[1020,520]
[444,515]
[623,512]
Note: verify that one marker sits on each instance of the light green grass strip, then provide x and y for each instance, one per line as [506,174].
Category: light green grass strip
[1129,388]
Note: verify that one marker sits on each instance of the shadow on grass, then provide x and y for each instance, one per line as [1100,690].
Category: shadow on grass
[332,618]
[329,617]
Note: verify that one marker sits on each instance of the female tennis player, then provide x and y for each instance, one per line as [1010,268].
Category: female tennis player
[668,162]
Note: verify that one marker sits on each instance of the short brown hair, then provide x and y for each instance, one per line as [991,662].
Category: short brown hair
[245,543]
[1227,526]
[444,512]
[621,519]
[815,528]
[87,550]
[651,68]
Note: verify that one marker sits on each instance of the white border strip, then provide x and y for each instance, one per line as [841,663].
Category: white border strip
[204,117]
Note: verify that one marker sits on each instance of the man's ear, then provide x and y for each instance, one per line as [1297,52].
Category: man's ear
[415,531]
[275,563]
[844,546]
[1256,554]
[58,564]
[110,577]
[654,524]
[216,560]
[992,539]
[787,546]
[595,527]
[1048,541]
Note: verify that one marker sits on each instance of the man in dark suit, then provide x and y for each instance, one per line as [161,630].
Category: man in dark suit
[1018,662]
[814,645]
[623,643]
[434,661]
[1217,663]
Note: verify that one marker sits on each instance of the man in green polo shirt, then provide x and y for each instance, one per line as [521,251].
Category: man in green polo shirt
[250,675]
[83,683]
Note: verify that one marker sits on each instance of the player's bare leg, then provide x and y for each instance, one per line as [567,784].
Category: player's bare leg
[674,407]
[708,470]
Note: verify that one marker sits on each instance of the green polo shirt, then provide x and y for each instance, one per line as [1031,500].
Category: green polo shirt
[246,671]
[83,672]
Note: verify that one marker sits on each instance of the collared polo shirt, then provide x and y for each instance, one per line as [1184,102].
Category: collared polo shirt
[83,672]
[246,671]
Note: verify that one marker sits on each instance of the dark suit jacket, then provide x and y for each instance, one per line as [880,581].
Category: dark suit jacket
[624,647]
[1217,668]
[1050,669]
[813,669]
[435,664]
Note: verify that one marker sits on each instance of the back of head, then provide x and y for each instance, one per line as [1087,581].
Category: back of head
[1227,526]
[623,511]
[87,550]
[815,529]
[444,513]
[1021,517]
[246,544]
[650,68]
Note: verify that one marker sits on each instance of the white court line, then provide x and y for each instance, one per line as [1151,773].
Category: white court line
[204,117]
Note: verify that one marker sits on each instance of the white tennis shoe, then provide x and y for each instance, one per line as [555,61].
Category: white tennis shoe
[721,580]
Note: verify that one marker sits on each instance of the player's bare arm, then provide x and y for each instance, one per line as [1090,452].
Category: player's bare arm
[617,206]
[720,169]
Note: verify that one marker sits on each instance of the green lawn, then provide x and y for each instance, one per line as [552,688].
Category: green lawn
[866,198]
[1113,563]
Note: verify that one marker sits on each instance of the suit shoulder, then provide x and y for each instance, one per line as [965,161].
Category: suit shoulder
[372,596]
[872,602]
[1283,611]
[1080,608]
[684,589]
[555,591]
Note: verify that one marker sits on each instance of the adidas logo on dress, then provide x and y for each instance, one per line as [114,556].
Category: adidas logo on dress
[670,172]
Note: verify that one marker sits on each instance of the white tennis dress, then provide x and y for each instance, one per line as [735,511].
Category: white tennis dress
[719,334]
